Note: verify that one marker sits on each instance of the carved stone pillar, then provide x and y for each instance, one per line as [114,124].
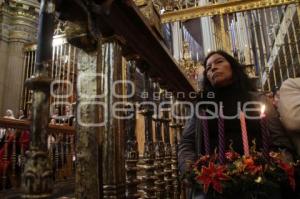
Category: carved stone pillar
[112,131]
[19,22]
[88,166]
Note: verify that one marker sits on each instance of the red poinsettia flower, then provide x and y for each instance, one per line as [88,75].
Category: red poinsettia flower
[212,175]
[290,171]
[251,166]
[287,168]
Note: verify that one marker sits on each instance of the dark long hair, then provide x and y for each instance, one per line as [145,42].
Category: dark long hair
[241,81]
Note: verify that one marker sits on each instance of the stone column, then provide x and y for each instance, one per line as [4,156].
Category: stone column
[88,167]
[112,130]
[19,19]
[4,33]
[3,63]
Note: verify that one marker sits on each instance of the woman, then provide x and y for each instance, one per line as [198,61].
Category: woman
[225,77]
[9,114]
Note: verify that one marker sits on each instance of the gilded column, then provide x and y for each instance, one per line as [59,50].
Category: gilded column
[225,35]
[19,22]
[37,179]
[112,131]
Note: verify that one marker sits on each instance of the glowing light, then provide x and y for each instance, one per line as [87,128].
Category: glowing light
[262,111]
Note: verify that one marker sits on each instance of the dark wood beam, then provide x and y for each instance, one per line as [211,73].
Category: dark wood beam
[125,20]
[25,125]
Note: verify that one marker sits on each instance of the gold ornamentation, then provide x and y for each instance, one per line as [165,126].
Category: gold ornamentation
[60,28]
[20,21]
[188,65]
[141,2]
[78,36]
[250,70]
[151,12]
[190,11]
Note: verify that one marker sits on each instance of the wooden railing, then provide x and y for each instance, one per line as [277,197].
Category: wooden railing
[14,143]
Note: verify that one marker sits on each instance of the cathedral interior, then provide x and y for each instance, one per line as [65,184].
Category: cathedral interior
[66,66]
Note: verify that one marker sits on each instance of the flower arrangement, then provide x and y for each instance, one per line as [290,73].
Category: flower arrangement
[253,176]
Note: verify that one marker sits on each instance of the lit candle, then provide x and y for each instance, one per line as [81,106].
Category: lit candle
[244,133]
[205,133]
[221,137]
[264,131]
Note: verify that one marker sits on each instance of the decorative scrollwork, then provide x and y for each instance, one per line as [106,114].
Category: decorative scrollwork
[60,28]
[37,176]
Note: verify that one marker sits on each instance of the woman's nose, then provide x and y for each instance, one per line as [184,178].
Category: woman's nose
[213,67]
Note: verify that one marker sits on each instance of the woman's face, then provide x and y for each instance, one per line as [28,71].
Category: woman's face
[218,71]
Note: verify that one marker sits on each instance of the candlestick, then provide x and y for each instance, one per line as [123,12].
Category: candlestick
[221,132]
[244,133]
[264,132]
[205,133]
